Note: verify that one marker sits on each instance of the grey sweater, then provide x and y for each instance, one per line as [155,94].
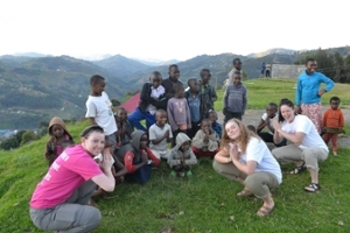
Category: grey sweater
[235,98]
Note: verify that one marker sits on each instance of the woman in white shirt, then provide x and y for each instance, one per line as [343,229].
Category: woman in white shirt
[245,158]
[307,148]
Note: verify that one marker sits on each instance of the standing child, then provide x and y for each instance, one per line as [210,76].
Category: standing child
[152,97]
[181,158]
[333,123]
[178,112]
[59,134]
[207,92]
[235,99]
[99,108]
[206,141]
[168,84]
[159,135]
[124,127]
[213,117]
[194,103]
[137,157]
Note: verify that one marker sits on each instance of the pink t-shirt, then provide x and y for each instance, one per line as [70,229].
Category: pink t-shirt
[70,170]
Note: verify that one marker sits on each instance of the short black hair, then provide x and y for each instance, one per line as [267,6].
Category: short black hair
[310,60]
[272,104]
[96,79]
[334,98]
[88,130]
[156,74]
[205,120]
[159,111]
[237,73]
[173,66]
[251,128]
[177,87]
[212,112]
[235,60]
[204,70]
[190,81]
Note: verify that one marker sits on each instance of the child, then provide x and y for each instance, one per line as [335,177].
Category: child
[168,84]
[267,122]
[99,108]
[59,134]
[213,117]
[251,128]
[152,97]
[235,99]
[194,103]
[137,157]
[206,141]
[208,92]
[159,135]
[333,123]
[178,112]
[124,127]
[181,158]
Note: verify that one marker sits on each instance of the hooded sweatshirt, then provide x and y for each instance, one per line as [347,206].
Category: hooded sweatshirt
[174,154]
[130,153]
[235,98]
[211,145]
[53,150]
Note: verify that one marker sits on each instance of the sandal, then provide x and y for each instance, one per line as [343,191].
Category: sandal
[312,188]
[264,211]
[299,170]
[245,193]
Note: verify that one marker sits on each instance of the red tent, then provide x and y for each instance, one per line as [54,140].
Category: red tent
[131,104]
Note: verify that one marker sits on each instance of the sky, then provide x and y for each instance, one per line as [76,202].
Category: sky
[164,30]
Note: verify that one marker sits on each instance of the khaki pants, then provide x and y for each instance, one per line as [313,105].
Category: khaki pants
[72,216]
[292,153]
[259,183]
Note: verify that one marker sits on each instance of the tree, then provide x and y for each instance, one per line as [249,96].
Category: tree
[27,137]
[115,102]
[339,67]
[18,136]
[9,143]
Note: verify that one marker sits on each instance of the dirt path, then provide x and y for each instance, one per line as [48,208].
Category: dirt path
[252,117]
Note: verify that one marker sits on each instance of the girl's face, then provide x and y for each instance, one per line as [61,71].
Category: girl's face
[57,131]
[94,144]
[232,130]
[287,113]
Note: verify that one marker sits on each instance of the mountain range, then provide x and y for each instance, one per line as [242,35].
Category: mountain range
[36,87]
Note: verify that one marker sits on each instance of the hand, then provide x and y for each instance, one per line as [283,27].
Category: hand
[321,92]
[167,133]
[144,157]
[234,153]
[267,121]
[206,138]
[276,124]
[107,162]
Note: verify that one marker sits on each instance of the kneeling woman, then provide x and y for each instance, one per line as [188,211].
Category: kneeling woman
[59,202]
[245,158]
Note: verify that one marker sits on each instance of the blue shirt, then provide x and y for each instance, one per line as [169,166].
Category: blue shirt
[309,86]
[194,103]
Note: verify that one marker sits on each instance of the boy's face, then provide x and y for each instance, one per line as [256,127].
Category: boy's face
[212,117]
[99,87]
[185,146]
[122,115]
[334,104]
[57,131]
[143,141]
[238,65]
[271,111]
[205,77]
[311,66]
[174,72]
[194,86]
[205,126]
[236,79]
[161,118]
[156,80]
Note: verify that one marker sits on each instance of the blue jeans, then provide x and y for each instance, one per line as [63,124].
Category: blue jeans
[136,116]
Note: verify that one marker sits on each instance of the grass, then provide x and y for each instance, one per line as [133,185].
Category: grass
[206,202]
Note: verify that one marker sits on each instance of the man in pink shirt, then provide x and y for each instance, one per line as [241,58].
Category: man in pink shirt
[59,201]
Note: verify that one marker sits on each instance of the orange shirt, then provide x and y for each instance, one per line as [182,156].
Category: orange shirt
[333,119]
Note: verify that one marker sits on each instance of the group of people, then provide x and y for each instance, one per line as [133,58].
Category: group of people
[118,147]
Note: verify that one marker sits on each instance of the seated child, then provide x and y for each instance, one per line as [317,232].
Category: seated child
[59,134]
[124,127]
[206,141]
[159,135]
[213,117]
[181,158]
[137,157]
[251,128]
[267,122]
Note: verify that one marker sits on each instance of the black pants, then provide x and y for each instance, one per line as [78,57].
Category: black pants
[268,74]
[230,115]
[195,127]
[267,137]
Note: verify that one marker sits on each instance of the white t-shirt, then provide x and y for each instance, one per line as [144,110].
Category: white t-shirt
[264,116]
[258,151]
[100,108]
[155,93]
[155,133]
[303,124]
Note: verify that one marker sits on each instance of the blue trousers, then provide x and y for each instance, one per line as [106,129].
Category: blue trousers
[136,116]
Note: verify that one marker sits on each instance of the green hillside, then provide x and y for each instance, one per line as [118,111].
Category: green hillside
[204,203]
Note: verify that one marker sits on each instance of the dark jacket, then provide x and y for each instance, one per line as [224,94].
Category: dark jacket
[207,93]
[146,99]
[168,85]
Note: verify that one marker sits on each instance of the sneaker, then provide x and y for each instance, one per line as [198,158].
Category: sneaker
[189,173]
